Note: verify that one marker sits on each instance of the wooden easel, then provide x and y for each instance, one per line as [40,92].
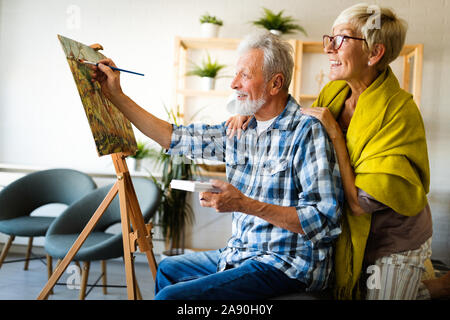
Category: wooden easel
[129,211]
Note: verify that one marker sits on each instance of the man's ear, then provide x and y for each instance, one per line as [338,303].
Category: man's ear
[276,83]
[377,53]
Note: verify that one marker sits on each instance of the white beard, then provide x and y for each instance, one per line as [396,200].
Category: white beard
[249,107]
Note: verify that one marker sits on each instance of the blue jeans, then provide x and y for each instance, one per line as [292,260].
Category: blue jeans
[194,276]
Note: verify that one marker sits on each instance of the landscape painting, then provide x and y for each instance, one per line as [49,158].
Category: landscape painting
[111,130]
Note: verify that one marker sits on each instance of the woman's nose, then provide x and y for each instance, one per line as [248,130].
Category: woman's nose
[329,48]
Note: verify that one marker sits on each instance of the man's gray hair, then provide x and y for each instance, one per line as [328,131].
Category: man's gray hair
[277,55]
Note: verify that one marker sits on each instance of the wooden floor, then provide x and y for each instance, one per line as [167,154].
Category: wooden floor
[18,284]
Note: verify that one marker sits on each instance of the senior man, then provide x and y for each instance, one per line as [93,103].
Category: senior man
[284,185]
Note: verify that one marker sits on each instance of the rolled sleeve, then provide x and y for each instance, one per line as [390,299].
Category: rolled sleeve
[199,141]
[320,202]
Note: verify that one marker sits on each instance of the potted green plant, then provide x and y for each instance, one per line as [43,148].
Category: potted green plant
[210,25]
[174,212]
[278,24]
[142,152]
[208,71]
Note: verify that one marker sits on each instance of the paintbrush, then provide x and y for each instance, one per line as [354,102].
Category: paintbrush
[114,68]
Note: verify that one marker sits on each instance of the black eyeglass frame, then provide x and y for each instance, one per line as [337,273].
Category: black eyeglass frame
[338,35]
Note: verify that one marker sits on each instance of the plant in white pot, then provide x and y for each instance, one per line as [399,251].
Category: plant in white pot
[210,26]
[175,212]
[208,71]
[278,24]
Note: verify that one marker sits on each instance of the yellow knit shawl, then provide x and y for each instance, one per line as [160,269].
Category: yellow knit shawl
[388,152]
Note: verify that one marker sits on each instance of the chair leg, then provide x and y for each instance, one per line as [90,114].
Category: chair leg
[27,257]
[84,279]
[6,249]
[50,270]
[103,264]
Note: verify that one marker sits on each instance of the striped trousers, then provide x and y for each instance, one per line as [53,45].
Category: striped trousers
[399,276]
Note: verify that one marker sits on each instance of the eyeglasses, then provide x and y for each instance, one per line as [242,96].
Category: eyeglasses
[336,41]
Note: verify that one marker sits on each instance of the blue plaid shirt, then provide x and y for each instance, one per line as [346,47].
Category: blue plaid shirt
[292,164]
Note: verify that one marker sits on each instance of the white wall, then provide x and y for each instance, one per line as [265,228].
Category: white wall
[42,121]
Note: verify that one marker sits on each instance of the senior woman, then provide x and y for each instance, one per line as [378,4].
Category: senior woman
[379,138]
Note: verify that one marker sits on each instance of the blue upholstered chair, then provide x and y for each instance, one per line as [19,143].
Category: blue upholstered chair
[100,244]
[20,198]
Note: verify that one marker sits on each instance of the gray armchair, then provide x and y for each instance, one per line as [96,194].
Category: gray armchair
[99,245]
[20,198]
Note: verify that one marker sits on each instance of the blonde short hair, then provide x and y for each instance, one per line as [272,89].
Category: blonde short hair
[377,25]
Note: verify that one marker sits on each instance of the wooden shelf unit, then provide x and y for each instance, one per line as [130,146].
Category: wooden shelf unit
[415,52]
[411,79]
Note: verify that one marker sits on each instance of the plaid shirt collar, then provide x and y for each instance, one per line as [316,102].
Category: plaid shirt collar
[284,121]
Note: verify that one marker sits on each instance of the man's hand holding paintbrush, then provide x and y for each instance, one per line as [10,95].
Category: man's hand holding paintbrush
[108,78]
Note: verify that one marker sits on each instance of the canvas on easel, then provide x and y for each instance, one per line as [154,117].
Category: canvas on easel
[112,132]
[113,135]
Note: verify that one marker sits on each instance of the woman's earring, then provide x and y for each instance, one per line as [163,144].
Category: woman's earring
[368,63]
